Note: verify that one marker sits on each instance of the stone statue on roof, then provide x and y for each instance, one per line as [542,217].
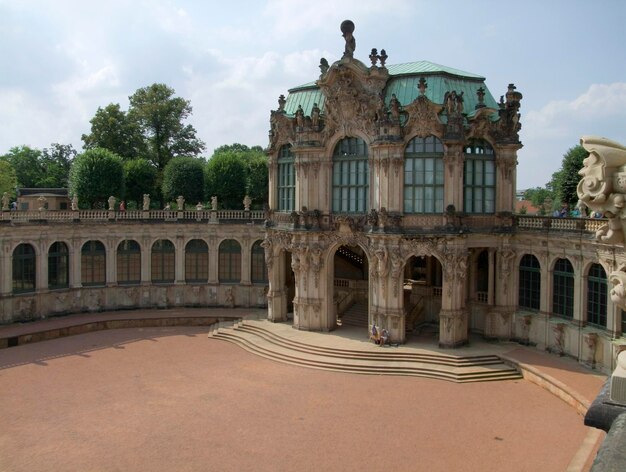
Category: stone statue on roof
[347,28]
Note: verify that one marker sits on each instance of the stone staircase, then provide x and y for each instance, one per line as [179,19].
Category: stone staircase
[279,342]
[356,315]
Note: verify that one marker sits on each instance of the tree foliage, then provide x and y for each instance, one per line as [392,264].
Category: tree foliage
[26,162]
[8,179]
[538,196]
[226,178]
[565,180]
[41,169]
[113,129]
[139,177]
[160,116]
[95,175]
[257,180]
[184,176]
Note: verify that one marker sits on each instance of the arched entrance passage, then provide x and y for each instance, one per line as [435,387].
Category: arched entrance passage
[349,290]
[423,280]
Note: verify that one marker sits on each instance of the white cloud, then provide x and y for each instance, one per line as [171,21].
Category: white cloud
[549,132]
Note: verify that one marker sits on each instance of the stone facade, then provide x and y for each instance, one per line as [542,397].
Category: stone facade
[471,253]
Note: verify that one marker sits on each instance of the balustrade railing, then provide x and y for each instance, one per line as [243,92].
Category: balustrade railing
[256,216]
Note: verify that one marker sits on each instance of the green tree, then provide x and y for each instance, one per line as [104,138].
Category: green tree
[140,177]
[95,175]
[565,180]
[184,176]
[26,162]
[113,129]
[8,179]
[226,177]
[538,195]
[57,161]
[257,179]
[160,116]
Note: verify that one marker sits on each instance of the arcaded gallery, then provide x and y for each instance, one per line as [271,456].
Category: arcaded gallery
[392,190]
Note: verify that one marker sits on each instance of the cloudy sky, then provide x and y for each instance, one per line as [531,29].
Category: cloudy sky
[62,59]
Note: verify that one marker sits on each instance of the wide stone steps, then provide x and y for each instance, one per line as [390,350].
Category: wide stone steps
[356,315]
[260,338]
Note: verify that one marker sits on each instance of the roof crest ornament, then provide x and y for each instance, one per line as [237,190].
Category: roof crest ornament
[347,28]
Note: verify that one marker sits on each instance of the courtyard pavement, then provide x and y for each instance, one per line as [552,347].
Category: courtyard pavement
[168,398]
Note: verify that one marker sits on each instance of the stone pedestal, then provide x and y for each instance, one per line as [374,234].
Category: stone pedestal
[452,328]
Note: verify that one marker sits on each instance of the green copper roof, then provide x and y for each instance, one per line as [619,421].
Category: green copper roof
[426,67]
[403,82]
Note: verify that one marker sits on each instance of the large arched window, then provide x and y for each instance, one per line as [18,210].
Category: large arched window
[58,266]
[163,260]
[128,263]
[529,283]
[24,263]
[229,261]
[93,264]
[596,295]
[350,177]
[479,178]
[286,179]
[423,176]
[259,269]
[196,261]
[563,289]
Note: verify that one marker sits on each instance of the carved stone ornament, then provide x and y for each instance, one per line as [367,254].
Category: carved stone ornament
[353,94]
[506,129]
[617,280]
[423,118]
[282,129]
[603,185]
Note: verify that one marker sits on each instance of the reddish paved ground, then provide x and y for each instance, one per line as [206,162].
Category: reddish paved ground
[165,399]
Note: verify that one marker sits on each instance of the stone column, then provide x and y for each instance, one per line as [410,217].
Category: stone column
[111,262]
[453,317]
[272,182]
[75,258]
[213,261]
[179,260]
[506,164]
[499,321]
[453,175]
[146,262]
[245,262]
[6,269]
[41,275]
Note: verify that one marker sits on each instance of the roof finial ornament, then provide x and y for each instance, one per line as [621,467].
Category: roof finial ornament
[374,56]
[422,86]
[481,98]
[383,57]
[281,103]
[324,65]
[347,28]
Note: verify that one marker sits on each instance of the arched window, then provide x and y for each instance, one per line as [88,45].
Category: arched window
[229,261]
[196,261]
[529,283]
[259,269]
[93,264]
[58,266]
[286,179]
[350,177]
[128,262]
[423,176]
[479,178]
[596,295]
[24,263]
[563,289]
[163,260]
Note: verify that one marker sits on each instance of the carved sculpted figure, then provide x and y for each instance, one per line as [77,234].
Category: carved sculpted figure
[111,201]
[394,104]
[74,203]
[146,202]
[5,201]
[180,202]
[213,203]
[300,117]
[247,201]
[347,28]
[315,116]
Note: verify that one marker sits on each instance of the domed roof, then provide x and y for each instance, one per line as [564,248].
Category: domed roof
[403,82]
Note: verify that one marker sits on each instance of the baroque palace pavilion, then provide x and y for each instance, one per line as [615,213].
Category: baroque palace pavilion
[392,190]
